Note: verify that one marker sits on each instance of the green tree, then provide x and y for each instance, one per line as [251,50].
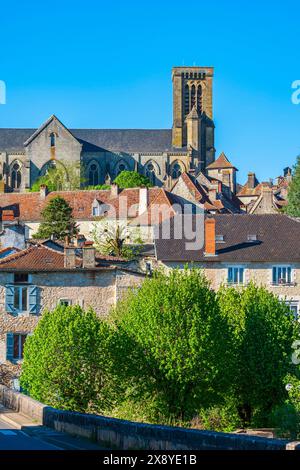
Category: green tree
[62,176]
[132,179]
[66,361]
[111,240]
[293,206]
[172,347]
[57,220]
[262,332]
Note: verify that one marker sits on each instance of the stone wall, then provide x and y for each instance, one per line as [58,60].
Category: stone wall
[118,434]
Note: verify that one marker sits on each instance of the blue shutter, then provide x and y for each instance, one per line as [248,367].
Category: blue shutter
[274,275]
[241,276]
[9,300]
[230,277]
[33,300]
[9,346]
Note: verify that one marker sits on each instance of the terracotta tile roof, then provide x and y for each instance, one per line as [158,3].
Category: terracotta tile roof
[256,191]
[278,241]
[42,258]
[221,162]
[28,206]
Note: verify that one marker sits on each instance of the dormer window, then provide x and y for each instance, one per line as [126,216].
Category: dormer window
[220,239]
[52,139]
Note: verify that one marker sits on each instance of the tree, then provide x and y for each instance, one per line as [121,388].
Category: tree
[178,344]
[132,179]
[262,331]
[111,240]
[57,220]
[66,360]
[293,207]
[62,176]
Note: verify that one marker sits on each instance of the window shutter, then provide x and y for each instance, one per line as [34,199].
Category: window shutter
[33,300]
[9,300]
[9,346]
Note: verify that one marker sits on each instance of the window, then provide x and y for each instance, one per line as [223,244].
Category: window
[19,341]
[199,98]
[186,100]
[21,278]
[282,275]
[52,140]
[121,167]
[93,174]
[294,307]
[176,171]
[16,176]
[235,275]
[150,172]
[21,299]
[65,302]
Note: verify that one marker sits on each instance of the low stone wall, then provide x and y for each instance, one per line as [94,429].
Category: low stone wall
[113,433]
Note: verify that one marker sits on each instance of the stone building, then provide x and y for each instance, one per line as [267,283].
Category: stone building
[40,278]
[162,155]
[241,248]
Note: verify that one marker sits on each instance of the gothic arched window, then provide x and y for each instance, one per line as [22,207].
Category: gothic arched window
[93,174]
[150,172]
[199,98]
[16,176]
[186,100]
[176,171]
[193,96]
[52,139]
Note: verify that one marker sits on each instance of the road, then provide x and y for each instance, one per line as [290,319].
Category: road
[38,438]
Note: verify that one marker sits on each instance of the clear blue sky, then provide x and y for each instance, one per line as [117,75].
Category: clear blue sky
[108,65]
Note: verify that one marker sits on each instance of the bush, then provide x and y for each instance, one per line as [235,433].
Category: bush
[66,362]
[178,344]
[263,330]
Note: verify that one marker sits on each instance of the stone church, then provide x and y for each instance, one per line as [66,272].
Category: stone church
[162,155]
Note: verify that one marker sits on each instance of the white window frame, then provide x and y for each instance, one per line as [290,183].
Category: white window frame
[276,281]
[238,268]
[64,299]
[20,287]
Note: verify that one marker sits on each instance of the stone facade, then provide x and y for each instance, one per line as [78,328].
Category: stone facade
[96,289]
[259,273]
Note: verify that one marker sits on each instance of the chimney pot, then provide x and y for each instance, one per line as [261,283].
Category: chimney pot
[143,200]
[88,256]
[251,180]
[43,191]
[69,257]
[114,190]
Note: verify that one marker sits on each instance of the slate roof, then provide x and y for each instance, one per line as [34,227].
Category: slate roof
[118,140]
[278,241]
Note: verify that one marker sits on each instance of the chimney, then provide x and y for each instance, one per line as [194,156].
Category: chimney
[251,180]
[143,200]
[212,194]
[210,237]
[8,215]
[114,190]
[88,256]
[69,257]
[43,191]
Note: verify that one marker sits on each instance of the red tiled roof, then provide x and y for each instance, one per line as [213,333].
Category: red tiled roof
[28,206]
[42,258]
[221,162]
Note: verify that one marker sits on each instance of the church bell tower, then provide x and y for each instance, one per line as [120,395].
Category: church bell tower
[193,125]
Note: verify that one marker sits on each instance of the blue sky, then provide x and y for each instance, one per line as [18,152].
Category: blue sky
[97,64]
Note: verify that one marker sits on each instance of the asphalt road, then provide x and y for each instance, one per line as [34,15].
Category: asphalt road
[36,437]
[15,439]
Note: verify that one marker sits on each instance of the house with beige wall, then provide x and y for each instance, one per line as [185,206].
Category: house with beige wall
[241,248]
[39,278]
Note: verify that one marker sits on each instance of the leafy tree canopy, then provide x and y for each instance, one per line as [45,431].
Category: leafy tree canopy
[293,207]
[62,176]
[65,360]
[132,179]
[57,220]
